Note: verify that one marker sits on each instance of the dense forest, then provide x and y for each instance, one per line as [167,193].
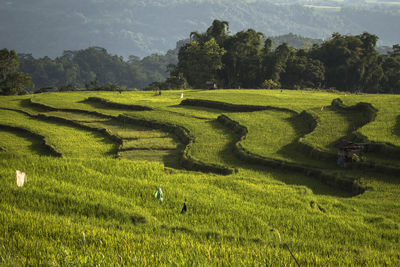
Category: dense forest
[247,60]
[79,68]
[95,64]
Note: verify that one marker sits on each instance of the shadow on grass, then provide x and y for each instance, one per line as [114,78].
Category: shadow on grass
[28,103]
[115,125]
[37,146]
[356,121]
[98,105]
[172,160]
[66,205]
[105,139]
[397,126]
[293,151]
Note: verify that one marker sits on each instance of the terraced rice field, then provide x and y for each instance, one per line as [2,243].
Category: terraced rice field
[261,182]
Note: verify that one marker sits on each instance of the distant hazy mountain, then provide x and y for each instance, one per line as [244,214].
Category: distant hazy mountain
[139,27]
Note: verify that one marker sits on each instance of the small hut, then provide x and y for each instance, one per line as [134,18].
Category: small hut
[347,150]
[211,85]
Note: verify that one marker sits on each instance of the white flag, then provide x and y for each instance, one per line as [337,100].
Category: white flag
[182,95]
[21,178]
[159,194]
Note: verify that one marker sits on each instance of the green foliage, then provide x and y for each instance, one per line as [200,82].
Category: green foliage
[15,83]
[175,81]
[11,81]
[270,84]
[345,62]
[242,60]
[199,62]
[60,136]
[80,67]
[303,72]
[8,63]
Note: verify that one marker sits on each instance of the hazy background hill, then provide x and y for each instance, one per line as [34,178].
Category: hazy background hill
[134,27]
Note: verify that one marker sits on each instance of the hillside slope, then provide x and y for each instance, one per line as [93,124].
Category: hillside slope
[254,195]
[140,28]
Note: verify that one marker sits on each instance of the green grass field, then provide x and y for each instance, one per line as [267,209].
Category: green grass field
[95,204]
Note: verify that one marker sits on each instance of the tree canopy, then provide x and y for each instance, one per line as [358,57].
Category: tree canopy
[247,60]
[11,81]
[81,67]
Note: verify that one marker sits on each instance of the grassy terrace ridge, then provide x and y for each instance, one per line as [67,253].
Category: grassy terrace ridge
[65,139]
[220,153]
[381,130]
[130,139]
[18,141]
[301,142]
[89,208]
[211,138]
[336,122]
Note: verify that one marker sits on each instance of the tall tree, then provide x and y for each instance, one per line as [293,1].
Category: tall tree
[219,31]
[266,60]
[303,72]
[11,81]
[281,55]
[391,69]
[352,62]
[8,62]
[242,62]
[199,62]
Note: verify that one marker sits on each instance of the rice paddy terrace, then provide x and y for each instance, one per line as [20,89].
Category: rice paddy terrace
[257,170]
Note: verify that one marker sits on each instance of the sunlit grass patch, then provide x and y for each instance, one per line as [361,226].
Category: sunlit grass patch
[290,99]
[19,103]
[212,140]
[383,128]
[20,143]
[332,126]
[72,100]
[268,131]
[68,140]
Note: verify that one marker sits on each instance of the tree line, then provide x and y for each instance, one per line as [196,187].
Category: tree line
[93,67]
[12,81]
[248,60]
[96,69]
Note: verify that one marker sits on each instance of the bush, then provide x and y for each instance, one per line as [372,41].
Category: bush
[270,84]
